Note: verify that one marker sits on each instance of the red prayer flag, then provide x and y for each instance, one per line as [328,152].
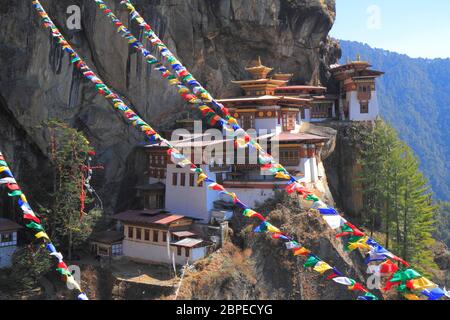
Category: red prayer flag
[31,217]
[12,186]
[388,267]
[331,276]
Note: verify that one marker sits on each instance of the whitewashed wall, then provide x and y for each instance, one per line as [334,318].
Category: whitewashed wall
[154,253]
[6,256]
[356,115]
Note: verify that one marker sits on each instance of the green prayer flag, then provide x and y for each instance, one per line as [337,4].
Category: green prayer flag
[15,193]
[311,262]
[406,275]
[354,239]
[402,288]
[369,295]
[312,197]
[35,226]
[346,228]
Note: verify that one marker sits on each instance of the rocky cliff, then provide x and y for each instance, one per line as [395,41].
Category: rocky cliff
[257,267]
[215,39]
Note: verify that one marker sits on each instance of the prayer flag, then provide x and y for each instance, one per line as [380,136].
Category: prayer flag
[301,251]
[344,280]
[311,261]
[321,267]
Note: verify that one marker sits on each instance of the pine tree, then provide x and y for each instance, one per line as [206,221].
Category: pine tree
[69,151]
[397,196]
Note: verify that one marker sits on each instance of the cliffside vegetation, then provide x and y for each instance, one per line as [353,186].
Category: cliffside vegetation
[59,210]
[397,198]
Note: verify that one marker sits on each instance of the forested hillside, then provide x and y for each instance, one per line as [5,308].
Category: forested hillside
[414,97]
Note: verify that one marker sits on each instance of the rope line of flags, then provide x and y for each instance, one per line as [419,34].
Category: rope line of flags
[312,261]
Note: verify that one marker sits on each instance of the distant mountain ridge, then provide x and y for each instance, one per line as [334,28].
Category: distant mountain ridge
[414,97]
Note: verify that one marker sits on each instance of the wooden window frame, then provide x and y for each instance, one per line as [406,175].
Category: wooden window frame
[138,233]
[364,107]
[192,179]
[175,179]
[130,231]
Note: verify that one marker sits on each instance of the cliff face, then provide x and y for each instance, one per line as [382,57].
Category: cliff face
[215,39]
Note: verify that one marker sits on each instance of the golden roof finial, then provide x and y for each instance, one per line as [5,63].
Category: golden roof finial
[259,71]
[259,62]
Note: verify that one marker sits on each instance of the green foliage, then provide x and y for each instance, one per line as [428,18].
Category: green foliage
[397,198]
[69,152]
[443,223]
[414,97]
[28,267]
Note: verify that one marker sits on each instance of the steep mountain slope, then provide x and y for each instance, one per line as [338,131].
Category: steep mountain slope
[414,97]
[258,267]
[215,39]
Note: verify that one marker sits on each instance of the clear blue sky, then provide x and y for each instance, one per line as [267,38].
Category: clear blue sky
[418,28]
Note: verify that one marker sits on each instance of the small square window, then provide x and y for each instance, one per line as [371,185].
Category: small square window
[179,251]
[147,235]
[155,235]
[364,107]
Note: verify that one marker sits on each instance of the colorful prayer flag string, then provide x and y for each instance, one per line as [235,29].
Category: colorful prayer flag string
[34,224]
[330,215]
[138,122]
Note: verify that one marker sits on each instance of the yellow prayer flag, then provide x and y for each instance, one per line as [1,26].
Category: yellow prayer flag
[411,296]
[360,244]
[42,234]
[282,175]
[23,198]
[273,229]
[321,267]
[423,283]
[201,178]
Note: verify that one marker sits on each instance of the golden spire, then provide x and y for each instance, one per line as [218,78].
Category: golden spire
[259,71]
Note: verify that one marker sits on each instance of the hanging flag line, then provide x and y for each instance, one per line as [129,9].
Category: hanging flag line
[358,240]
[33,223]
[312,260]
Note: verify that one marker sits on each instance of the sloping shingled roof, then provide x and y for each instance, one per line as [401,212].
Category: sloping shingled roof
[108,237]
[287,136]
[187,242]
[147,216]
[8,225]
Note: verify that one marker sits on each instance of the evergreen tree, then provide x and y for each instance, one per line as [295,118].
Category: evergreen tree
[69,152]
[397,197]
[443,222]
